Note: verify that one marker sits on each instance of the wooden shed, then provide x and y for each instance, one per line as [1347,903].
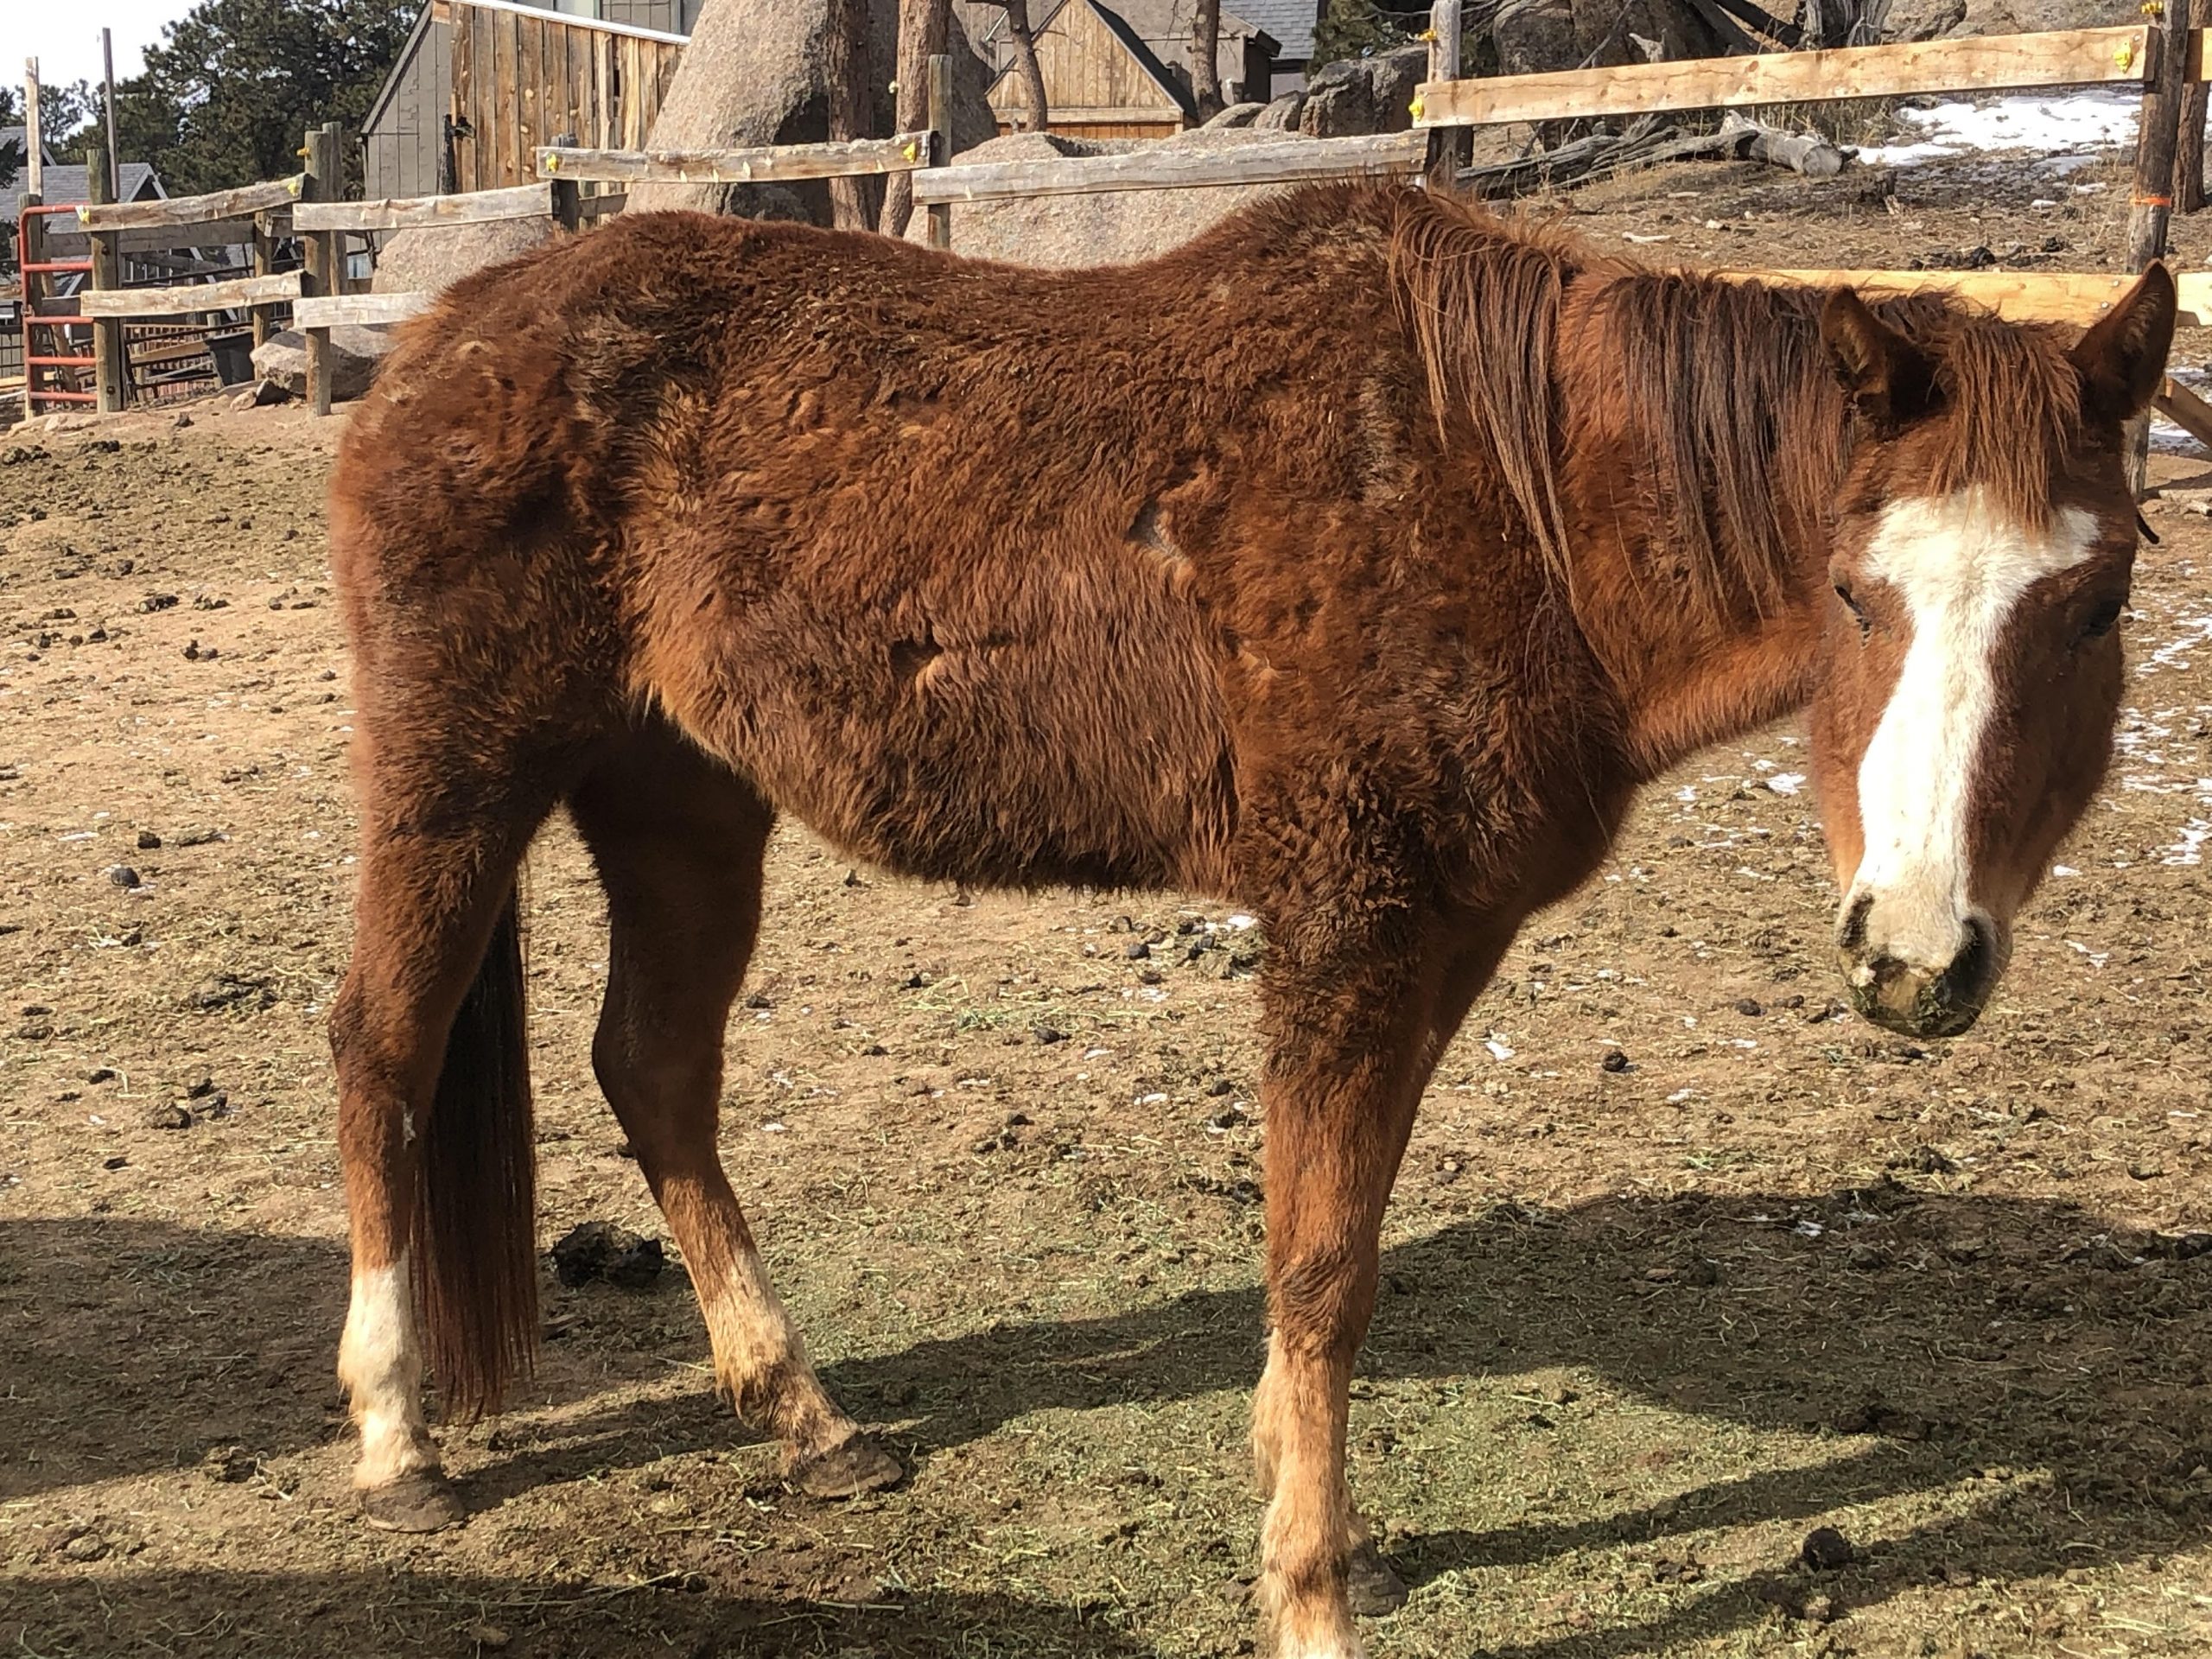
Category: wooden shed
[1120,69]
[481,83]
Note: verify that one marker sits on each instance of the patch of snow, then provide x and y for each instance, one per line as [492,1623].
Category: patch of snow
[2196,631]
[2167,439]
[2187,850]
[2059,127]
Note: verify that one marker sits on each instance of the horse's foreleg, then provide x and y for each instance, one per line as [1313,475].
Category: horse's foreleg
[1352,1042]
[678,845]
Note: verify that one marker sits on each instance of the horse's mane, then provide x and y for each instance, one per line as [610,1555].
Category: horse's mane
[1723,388]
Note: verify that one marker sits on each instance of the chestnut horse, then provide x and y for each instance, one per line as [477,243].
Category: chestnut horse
[1355,563]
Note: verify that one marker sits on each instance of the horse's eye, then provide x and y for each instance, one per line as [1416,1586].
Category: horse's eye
[1857,611]
[2102,620]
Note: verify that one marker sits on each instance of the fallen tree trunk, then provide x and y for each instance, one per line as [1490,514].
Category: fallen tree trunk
[1801,152]
[1646,142]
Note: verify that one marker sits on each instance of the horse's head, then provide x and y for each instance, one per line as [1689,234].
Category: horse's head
[1969,670]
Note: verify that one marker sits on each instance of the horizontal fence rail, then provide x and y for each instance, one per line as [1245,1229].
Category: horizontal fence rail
[190,210]
[2017,295]
[416,213]
[330,311]
[187,298]
[763,164]
[2071,57]
[2185,410]
[2034,297]
[1287,162]
[68,239]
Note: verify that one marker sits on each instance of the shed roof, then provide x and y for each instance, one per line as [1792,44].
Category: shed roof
[407,51]
[1290,22]
[1138,47]
[20,137]
[68,182]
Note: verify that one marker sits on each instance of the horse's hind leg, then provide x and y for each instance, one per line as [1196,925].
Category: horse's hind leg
[434,934]
[678,843]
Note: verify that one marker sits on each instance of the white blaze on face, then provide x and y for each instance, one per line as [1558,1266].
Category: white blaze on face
[1961,569]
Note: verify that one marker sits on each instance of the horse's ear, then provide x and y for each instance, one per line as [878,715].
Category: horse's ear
[2122,358]
[1888,377]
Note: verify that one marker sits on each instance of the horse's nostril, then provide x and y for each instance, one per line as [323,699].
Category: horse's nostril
[1853,936]
[1968,973]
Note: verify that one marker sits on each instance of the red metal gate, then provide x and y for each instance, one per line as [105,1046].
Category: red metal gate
[34,360]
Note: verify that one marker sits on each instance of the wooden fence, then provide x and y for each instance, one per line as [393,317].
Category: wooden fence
[323,222]
[2073,57]
[258,211]
[521,75]
[2163,59]
[2160,59]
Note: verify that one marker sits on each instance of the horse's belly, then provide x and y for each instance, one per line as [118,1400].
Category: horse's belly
[1003,756]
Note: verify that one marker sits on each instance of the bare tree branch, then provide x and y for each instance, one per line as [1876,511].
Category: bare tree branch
[845,78]
[1025,58]
[1205,58]
[924,27]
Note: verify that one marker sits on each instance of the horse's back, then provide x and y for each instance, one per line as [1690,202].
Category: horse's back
[890,546]
[1009,576]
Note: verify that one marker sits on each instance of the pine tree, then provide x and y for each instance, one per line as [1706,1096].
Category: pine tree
[228,95]
[1355,29]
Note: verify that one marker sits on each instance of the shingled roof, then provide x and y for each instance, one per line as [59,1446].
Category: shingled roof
[68,182]
[1290,22]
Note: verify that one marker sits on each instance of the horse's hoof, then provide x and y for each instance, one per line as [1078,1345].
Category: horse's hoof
[1375,1589]
[417,1503]
[855,1465]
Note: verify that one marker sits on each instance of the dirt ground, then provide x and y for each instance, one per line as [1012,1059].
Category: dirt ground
[1641,1332]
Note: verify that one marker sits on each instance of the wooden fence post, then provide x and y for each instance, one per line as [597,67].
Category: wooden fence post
[940,107]
[34,228]
[2189,156]
[1449,148]
[323,182]
[34,292]
[2151,206]
[567,195]
[33,134]
[110,371]
[264,261]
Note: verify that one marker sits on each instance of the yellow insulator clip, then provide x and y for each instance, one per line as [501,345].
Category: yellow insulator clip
[2124,57]
[912,152]
[1416,106]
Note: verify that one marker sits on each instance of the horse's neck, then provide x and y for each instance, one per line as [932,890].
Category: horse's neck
[1691,670]
[1696,683]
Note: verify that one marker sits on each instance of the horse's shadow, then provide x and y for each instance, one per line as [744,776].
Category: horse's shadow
[1935,1339]
[315,1615]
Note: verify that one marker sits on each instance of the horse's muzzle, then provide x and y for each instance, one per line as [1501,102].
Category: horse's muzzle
[1917,999]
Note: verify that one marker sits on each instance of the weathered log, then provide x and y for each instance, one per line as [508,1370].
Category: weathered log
[1647,142]
[1801,152]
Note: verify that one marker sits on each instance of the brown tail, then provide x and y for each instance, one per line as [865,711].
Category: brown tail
[475,1218]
